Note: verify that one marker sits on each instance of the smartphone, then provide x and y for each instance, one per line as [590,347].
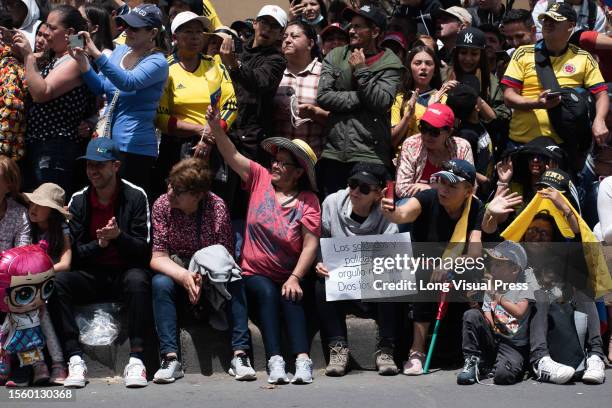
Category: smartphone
[391,191]
[76,41]
[553,95]
[238,47]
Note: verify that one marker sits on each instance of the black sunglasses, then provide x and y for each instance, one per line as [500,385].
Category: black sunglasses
[430,130]
[364,188]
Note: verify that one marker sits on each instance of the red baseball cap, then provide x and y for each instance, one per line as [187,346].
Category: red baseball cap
[337,27]
[397,37]
[439,115]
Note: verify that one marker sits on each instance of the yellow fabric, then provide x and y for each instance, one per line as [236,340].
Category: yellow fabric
[457,243]
[575,68]
[419,110]
[187,95]
[599,276]
[211,13]
[120,39]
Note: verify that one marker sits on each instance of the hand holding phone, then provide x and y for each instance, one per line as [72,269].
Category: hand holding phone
[553,95]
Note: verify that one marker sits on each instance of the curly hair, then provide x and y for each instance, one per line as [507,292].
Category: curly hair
[191,175]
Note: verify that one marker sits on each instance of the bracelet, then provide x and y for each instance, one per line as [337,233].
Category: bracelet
[296,276]
[502,184]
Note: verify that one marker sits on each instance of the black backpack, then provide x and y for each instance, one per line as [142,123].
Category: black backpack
[573,117]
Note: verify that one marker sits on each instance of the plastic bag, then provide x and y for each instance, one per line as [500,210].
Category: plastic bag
[100,330]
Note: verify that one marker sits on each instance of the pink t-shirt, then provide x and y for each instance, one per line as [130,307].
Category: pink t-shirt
[273,235]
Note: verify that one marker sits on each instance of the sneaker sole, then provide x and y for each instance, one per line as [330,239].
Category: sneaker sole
[595,381]
[137,384]
[246,377]
[388,372]
[412,374]
[75,385]
[300,381]
[279,381]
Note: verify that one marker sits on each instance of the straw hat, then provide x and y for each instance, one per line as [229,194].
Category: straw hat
[49,195]
[300,150]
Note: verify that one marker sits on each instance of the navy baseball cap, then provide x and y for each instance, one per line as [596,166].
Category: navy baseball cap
[101,149]
[455,171]
[145,15]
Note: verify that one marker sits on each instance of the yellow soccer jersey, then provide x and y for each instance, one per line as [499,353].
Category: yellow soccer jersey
[211,13]
[187,95]
[575,68]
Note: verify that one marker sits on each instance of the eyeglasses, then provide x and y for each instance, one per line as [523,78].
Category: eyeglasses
[538,231]
[175,191]
[430,130]
[456,170]
[282,164]
[364,188]
[23,295]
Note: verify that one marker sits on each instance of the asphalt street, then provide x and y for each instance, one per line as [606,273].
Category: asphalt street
[357,389]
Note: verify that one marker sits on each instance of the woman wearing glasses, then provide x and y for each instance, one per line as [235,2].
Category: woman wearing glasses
[132,79]
[346,213]
[281,238]
[423,154]
[186,219]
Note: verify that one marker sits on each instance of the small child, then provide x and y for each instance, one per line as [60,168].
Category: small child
[498,336]
[48,222]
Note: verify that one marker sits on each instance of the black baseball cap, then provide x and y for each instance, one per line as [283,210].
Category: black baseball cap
[557,179]
[560,12]
[369,12]
[145,15]
[457,170]
[471,38]
[546,146]
[371,173]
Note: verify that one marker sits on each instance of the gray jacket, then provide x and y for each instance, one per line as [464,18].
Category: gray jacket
[217,267]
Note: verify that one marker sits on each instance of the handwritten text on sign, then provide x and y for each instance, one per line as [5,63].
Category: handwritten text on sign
[349,261]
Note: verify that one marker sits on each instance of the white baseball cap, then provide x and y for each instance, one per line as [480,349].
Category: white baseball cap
[186,16]
[275,12]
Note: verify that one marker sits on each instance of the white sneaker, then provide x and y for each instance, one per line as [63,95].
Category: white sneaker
[548,370]
[276,368]
[594,373]
[303,371]
[135,373]
[77,372]
[169,370]
[240,367]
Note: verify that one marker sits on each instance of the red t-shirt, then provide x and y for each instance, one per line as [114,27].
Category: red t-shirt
[100,215]
[273,235]
[428,170]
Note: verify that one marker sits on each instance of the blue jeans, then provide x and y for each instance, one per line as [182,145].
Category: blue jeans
[165,291]
[51,161]
[165,295]
[265,297]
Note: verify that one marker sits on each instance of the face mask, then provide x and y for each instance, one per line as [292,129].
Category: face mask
[314,22]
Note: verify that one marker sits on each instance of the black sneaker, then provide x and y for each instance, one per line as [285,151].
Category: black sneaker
[469,374]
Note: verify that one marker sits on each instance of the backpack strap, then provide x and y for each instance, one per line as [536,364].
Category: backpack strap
[544,69]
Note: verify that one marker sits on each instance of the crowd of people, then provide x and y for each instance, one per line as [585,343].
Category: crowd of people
[165,159]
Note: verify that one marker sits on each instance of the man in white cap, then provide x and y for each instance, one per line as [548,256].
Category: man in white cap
[449,23]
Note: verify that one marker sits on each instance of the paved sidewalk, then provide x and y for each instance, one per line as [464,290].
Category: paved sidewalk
[362,389]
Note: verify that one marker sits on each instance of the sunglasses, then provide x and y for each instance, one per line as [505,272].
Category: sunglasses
[430,130]
[364,188]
